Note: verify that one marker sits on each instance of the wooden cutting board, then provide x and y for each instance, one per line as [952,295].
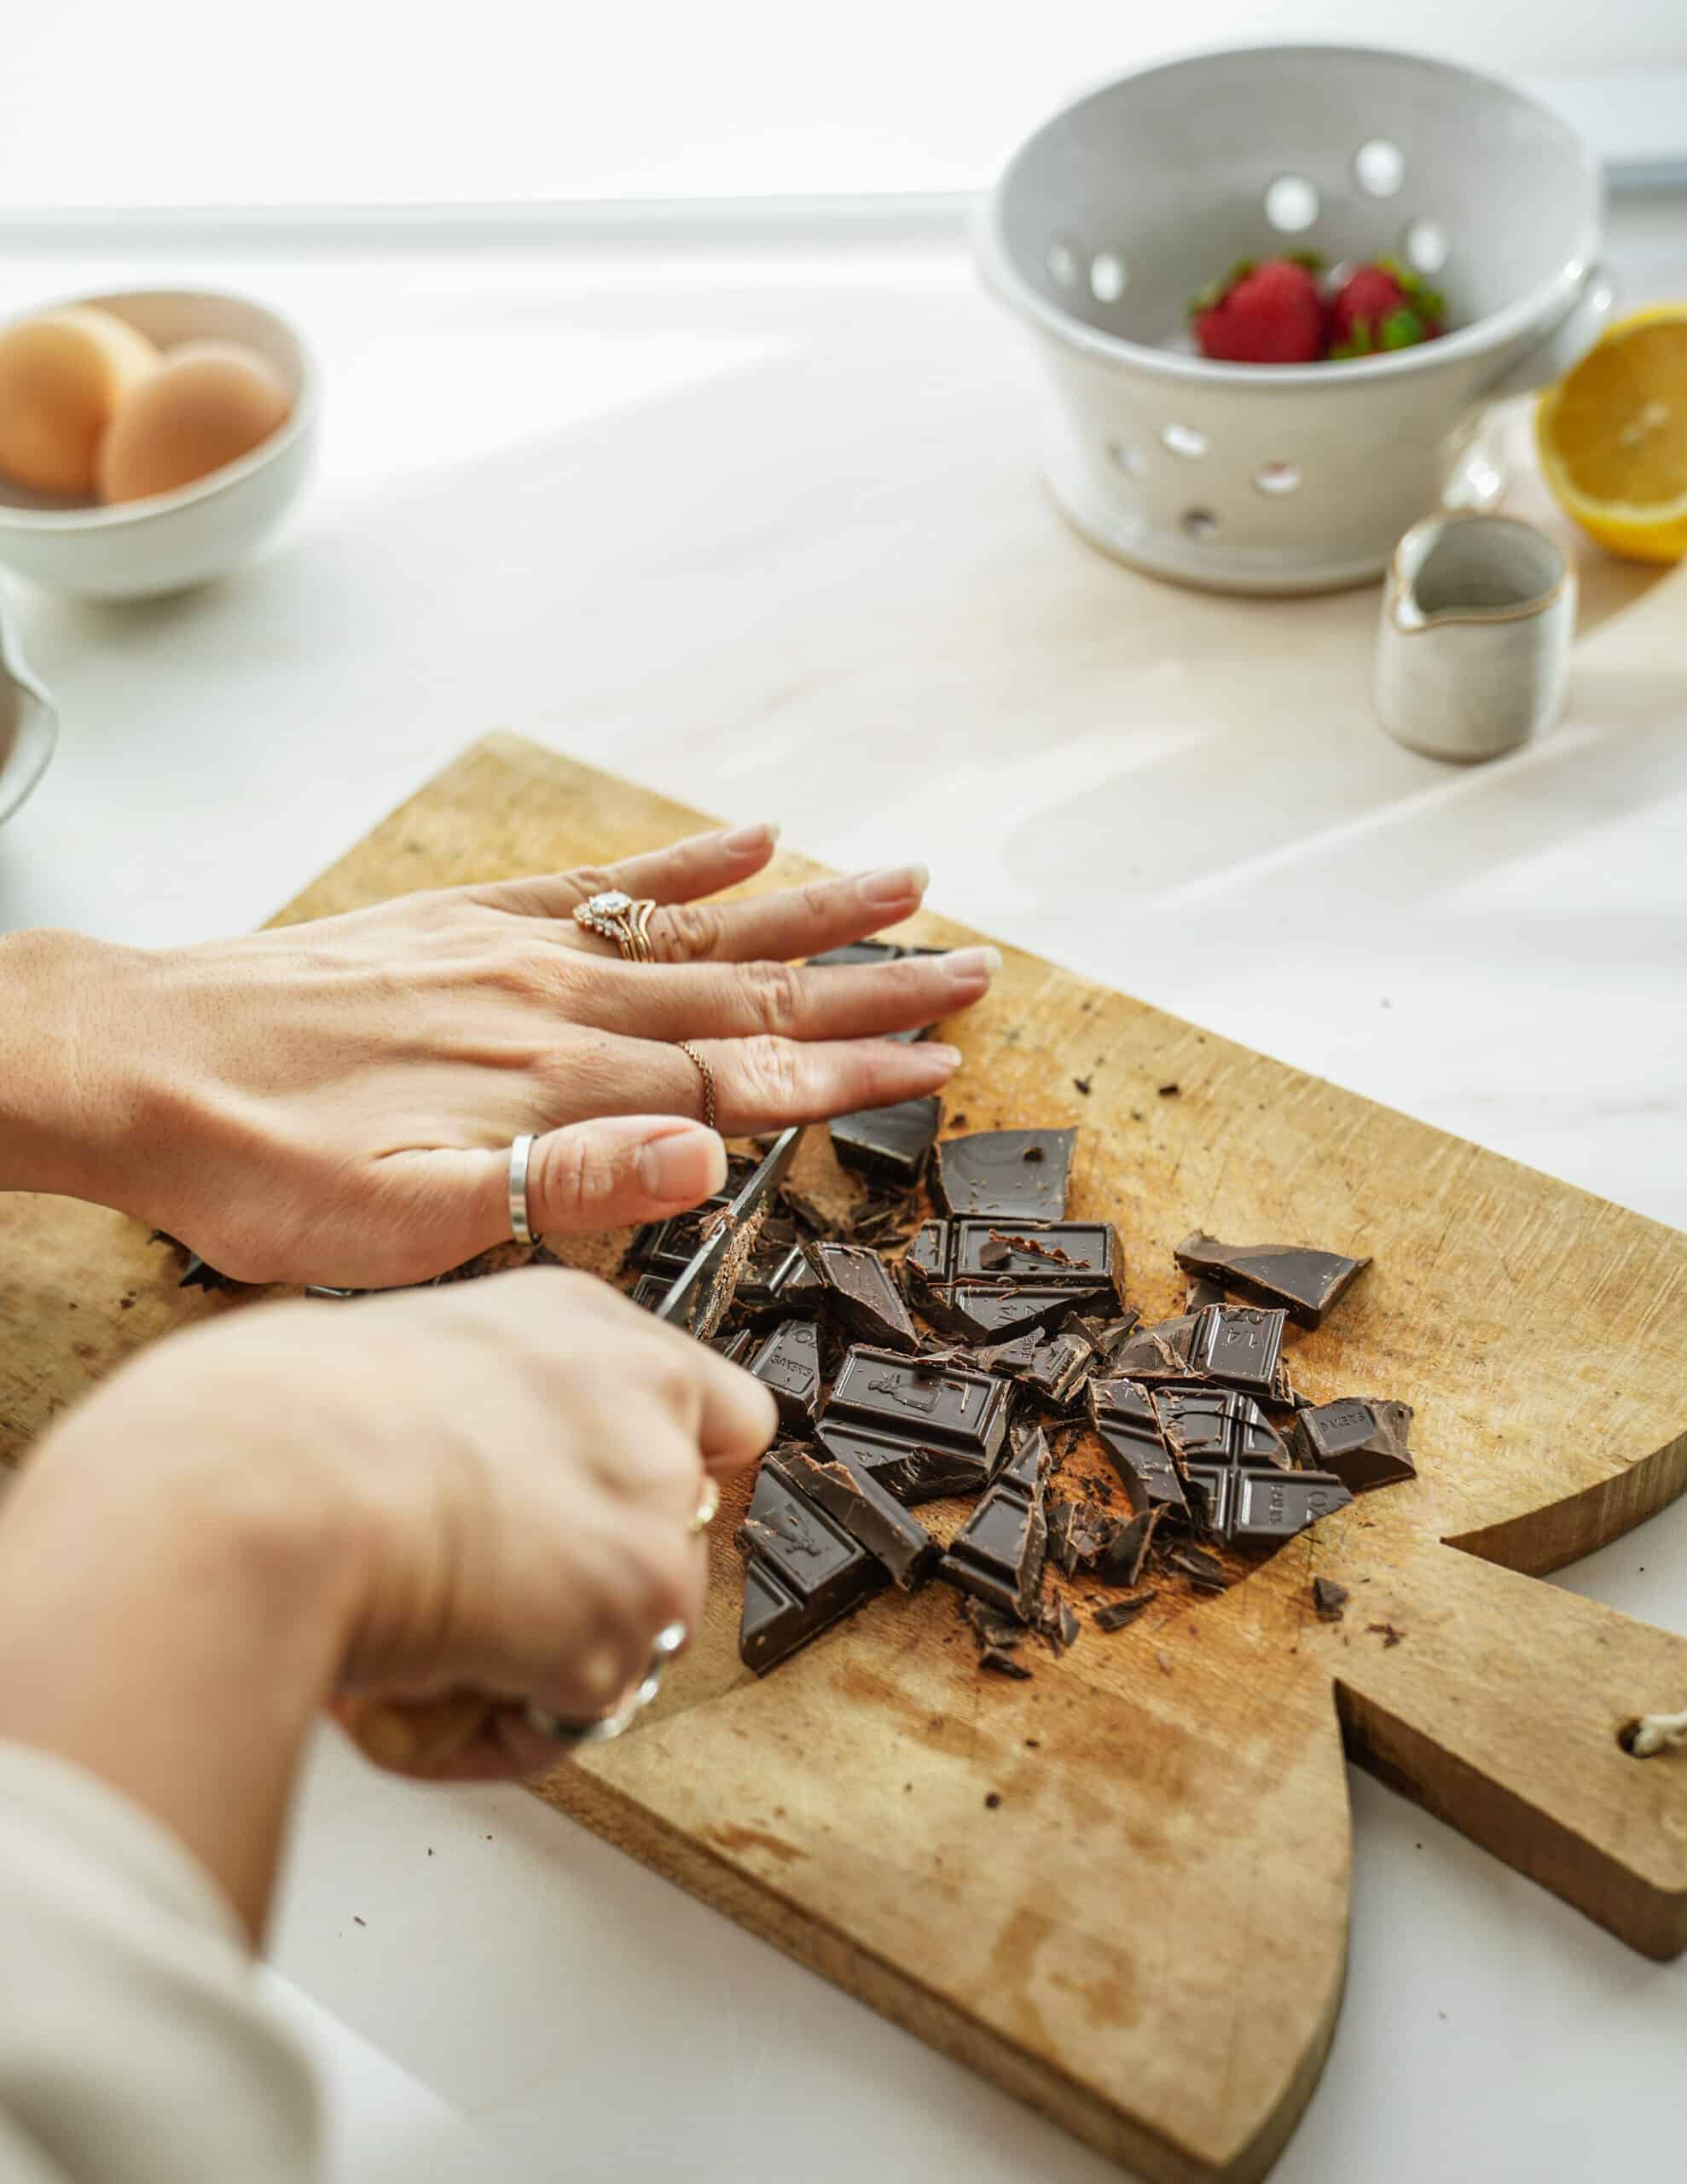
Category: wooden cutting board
[1144,1938]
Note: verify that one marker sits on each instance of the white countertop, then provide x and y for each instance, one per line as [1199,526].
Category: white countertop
[761,528]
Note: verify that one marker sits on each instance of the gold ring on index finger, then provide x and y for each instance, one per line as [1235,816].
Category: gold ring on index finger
[622,918]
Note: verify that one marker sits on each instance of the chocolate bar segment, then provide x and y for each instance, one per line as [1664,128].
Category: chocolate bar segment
[777,1276]
[1272,1505]
[889,1145]
[868,1513]
[1053,1367]
[1009,1175]
[787,1363]
[997,1554]
[922,1403]
[1362,1439]
[804,1571]
[1129,1431]
[860,1290]
[1160,1352]
[1239,1344]
[1217,1425]
[975,1314]
[1305,1281]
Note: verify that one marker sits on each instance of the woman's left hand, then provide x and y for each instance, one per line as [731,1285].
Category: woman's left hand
[335,1102]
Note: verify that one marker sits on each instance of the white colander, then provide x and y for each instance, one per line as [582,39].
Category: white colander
[1290,477]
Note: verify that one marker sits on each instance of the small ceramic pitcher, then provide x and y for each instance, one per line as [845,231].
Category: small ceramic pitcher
[1474,652]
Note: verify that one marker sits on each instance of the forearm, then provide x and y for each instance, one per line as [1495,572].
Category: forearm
[173,1628]
[70,1098]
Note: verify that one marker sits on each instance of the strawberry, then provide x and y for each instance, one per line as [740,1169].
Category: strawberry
[1266,313]
[1383,306]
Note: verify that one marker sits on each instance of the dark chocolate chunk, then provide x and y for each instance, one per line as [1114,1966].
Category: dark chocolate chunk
[888,1144]
[1001,1662]
[1120,1559]
[1361,1439]
[921,1426]
[804,1571]
[1158,1353]
[955,1267]
[777,1275]
[1010,1174]
[1117,1613]
[859,1288]
[989,1627]
[667,1247]
[978,1314]
[997,1554]
[1328,1599]
[1130,1429]
[1027,1462]
[1205,1570]
[1216,1426]
[649,1289]
[1106,1338]
[1272,1505]
[869,1514]
[1211,1492]
[198,1273]
[1202,1291]
[1238,1345]
[1305,1281]
[787,1363]
[733,1348]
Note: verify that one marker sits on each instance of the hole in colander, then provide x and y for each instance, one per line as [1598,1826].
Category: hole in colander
[1379,168]
[1291,204]
[1199,523]
[1108,274]
[1275,478]
[1062,263]
[1131,460]
[1184,440]
[1426,246]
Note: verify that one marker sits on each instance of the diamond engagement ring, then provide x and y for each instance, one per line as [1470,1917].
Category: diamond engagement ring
[620,918]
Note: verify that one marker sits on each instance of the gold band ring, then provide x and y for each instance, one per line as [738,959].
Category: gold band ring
[619,917]
[707,1074]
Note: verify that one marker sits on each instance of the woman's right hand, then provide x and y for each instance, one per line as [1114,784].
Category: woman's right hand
[488,1486]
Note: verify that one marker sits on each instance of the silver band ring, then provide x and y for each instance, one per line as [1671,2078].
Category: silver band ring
[520,1153]
[708,1507]
[618,916]
[707,1074]
[560,1730]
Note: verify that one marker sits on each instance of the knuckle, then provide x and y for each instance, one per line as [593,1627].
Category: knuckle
[578,1171]
[774,992]
[658,1581]
[817,898]
[688,931]
[591,880]
[771,1071]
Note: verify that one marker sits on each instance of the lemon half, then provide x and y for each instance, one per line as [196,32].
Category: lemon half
[1613,436]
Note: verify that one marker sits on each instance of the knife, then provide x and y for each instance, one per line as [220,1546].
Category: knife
[425,1736]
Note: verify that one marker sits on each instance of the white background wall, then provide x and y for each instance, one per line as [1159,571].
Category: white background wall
[244,102]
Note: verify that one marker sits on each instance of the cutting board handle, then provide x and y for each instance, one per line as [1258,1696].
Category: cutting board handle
[1498,1706]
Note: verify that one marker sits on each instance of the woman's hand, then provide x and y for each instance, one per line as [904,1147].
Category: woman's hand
[487,1486]
[335,1102]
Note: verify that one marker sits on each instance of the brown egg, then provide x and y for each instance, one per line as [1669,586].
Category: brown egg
[62,375]
[207,403]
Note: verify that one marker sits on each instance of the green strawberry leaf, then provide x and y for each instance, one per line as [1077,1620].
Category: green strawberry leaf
[1210,296]
[1402,329]
[1312,260]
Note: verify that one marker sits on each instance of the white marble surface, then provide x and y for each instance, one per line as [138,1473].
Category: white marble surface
[711,520]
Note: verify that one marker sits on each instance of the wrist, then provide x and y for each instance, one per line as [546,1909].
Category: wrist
[70,1095]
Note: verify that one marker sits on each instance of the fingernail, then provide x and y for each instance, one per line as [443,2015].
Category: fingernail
[688,1163]
[896,883]
[742,840]
[967,965]
[945,1058]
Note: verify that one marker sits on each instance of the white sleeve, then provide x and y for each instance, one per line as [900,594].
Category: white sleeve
[134,2046]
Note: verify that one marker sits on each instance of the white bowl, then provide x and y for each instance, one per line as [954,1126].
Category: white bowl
[140,548]
[1290,477]
[29,726]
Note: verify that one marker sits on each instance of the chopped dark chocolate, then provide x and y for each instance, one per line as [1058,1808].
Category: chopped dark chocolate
[787,1363]
[921,1426]
[1117,1613]
[860,1290]
[975,1313]
[1202,1291]
[1009,1175]
[1238,1345]
[1271,1505]
[667,1247]
[1305,1281]
[1205,1570]
[804,1571]
[998,1553]
[1106,1338]
[888,1144]
[999,1661]
[198,1274]
[1216,1426]
[1328,1599]
[778,1275]
[732,1347]
[1130,1429]
[1158,1353]
[1122,1556]
[1361,1439]
[1027,1462]
[869,1514]
[989,1627]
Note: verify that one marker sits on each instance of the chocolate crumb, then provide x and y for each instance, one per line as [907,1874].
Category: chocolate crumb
[1117,1613]
[356,1921]
[993,1798]
[1000,1664]
[1033,1743]
[1082,1084]
[1329,1599]
[1389,1636]
[1170,1091]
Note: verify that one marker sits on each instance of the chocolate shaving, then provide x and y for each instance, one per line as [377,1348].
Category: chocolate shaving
[1117,1613]
[1329,1599]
